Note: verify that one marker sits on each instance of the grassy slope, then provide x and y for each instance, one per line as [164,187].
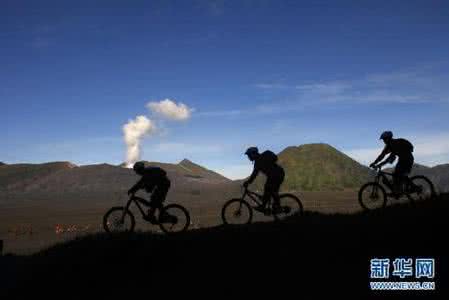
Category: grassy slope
[200,171]
[318,167]
[314,254]
[19,175]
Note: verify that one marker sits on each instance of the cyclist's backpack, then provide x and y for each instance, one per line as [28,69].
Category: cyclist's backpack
[157,172]
[406,144]
[270,157]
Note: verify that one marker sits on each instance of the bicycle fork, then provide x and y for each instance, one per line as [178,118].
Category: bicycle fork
[125,210]
[374,190]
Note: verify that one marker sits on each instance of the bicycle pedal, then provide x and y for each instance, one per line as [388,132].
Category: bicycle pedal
[151,219]
[267,212]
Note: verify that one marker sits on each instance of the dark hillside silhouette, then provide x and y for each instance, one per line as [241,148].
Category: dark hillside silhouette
[299,258]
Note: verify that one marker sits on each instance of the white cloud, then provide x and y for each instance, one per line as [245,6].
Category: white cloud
[170,110]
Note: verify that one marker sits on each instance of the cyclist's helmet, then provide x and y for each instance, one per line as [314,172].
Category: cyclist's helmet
[251,150]
[386,135]
[139,166]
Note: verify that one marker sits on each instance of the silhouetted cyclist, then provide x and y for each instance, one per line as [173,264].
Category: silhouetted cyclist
[396,147]
[154,180]
[266,163]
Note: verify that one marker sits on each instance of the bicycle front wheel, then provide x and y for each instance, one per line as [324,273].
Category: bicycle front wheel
[236,212]
[372,196]
[115,220]
[290,206]
[174,218]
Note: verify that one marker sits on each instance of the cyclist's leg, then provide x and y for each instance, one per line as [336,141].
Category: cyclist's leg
[159,195]
[406,170]
[400,174]
[277,182]
[397,179]
[266,192]
[272,191]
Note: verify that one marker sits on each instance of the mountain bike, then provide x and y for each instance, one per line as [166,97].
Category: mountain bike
[374,194]
[171,218]
[239,211]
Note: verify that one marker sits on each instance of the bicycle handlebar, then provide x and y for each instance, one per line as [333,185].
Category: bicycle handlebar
[378,169]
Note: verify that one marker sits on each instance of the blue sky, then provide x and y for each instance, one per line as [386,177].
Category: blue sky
[265,73]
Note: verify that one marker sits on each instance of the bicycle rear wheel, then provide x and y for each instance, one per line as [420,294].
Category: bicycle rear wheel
[372,196]
[236,212]
[421,188]
[174,218]
[113,222]
[290,206]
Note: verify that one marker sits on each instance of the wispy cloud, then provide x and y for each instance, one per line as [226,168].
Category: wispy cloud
[423,85]
[222,113]
[426,84]
[271,86]
[413,86]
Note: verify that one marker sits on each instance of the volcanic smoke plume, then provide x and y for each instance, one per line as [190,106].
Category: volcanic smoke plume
[134,131]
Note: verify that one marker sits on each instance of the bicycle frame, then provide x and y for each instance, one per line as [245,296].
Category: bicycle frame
[136,200]
[388,183]
[257,198]
[383,175]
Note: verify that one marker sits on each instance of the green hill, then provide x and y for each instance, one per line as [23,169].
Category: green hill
[319,167]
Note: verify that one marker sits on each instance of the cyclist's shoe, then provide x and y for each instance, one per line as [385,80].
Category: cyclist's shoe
[394,195]
[260,208]
[276,210]
[415,189]
[150,218]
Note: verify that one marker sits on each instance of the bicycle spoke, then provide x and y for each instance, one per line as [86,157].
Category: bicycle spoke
[174,218]
[372,196]
[236,212]
[116,221]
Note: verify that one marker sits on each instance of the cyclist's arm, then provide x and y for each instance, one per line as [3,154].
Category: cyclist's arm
[382,155]
[136,187]
[391,158]
[253,176]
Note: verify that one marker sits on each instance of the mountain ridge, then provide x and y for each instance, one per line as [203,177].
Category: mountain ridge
[308,167]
